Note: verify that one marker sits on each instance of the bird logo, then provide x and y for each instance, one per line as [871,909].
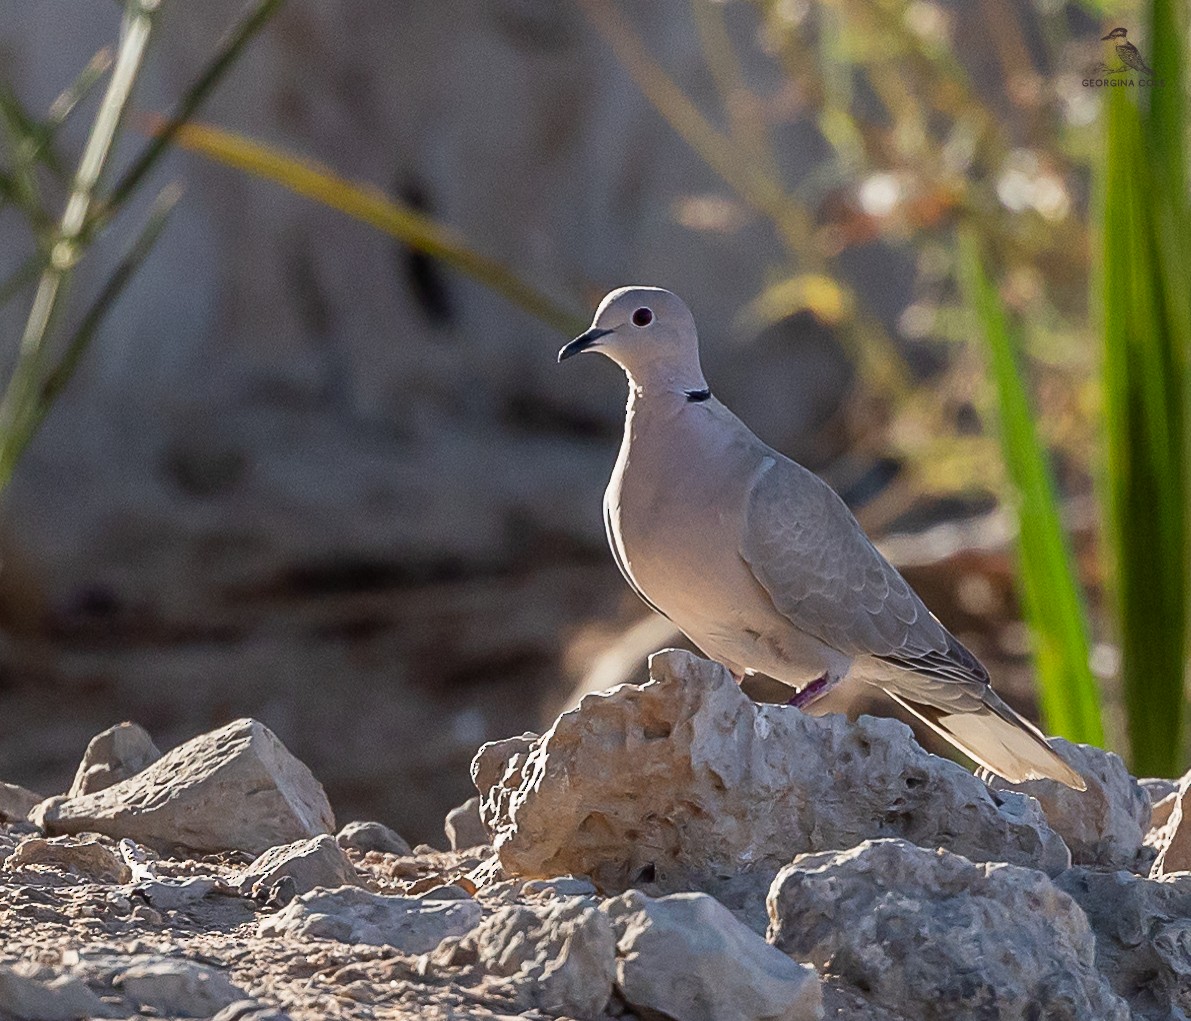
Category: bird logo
[1129,55]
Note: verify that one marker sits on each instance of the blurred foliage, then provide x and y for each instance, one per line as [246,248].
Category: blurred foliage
[368,204]
[1144,300]
[1049,588]
[908,152]
[48,353]
[911,149]
[914,152]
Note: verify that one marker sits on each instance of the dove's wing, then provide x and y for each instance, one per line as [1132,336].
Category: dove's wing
[820,570]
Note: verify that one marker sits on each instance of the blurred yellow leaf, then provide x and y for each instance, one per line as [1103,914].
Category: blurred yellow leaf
[820,295]
[367,203]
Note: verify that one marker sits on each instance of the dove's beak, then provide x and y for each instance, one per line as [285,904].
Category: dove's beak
[582,342]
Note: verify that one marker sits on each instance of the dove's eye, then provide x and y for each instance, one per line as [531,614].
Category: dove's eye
[643,317]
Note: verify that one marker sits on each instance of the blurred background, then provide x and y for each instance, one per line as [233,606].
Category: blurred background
[326,473]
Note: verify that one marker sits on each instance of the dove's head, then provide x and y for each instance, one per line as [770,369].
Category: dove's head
[1116,33]
[649,333]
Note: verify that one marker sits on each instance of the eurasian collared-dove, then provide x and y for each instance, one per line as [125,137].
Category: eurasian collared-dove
[761,564]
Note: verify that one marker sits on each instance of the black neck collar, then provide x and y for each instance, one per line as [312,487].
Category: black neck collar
[695,396]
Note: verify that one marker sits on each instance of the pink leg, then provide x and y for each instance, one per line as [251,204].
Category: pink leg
[810,692]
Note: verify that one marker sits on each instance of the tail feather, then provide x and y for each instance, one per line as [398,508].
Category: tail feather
[998,739]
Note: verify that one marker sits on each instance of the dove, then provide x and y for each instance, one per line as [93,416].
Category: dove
[761,564]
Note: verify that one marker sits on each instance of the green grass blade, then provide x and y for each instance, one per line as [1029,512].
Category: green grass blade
[1050,592]
[213,73]
[109,294]
[371,206]
[21,394]
[78,90]
[1143,301]
[57,378]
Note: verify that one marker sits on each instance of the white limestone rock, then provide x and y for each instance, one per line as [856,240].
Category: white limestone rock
[28,997]
[372,836]
[1162,810]
[464,828]
[1143,937]
[1104,825]
[683,781]
[318,861]
[175,987]
[558,957]
[687,957]
[16,802]
[937,937]
[235,788]
[1172,838]
[1159,788]
[349,914]
[87,859]
[113,755]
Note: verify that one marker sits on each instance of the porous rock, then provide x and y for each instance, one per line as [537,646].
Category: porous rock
[235,788]
[176,987]
[463,826]
[558,957]
[1143,937]
[1172,839]
[1158,787]
[937,937]
[318,861]
[16,802]
[87,859]
[172,893]
[687,957]
[62,998]
[251,1010]
[372,836]
[113,755]
[350,914]
[491,764]
[560,886]
[1103,825]
[685,780]
[1162,810]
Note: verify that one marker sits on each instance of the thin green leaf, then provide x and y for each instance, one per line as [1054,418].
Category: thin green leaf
[1147,331]
[194,97]
[1050,591]
[62,372]
[20,184]
[37,137]
[20,395]
[79,89]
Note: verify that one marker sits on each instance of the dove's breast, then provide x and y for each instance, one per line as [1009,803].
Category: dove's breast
[674,510]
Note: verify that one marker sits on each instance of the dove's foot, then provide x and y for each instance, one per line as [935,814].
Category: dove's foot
[812,691]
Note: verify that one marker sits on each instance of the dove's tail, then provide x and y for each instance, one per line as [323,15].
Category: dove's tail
[998,739]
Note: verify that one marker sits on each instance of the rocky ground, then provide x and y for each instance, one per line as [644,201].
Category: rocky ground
[664,850]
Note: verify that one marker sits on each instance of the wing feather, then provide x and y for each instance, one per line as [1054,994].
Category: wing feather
[811,556]
[822,572]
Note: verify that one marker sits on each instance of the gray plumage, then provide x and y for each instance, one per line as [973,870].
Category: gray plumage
[759,561]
